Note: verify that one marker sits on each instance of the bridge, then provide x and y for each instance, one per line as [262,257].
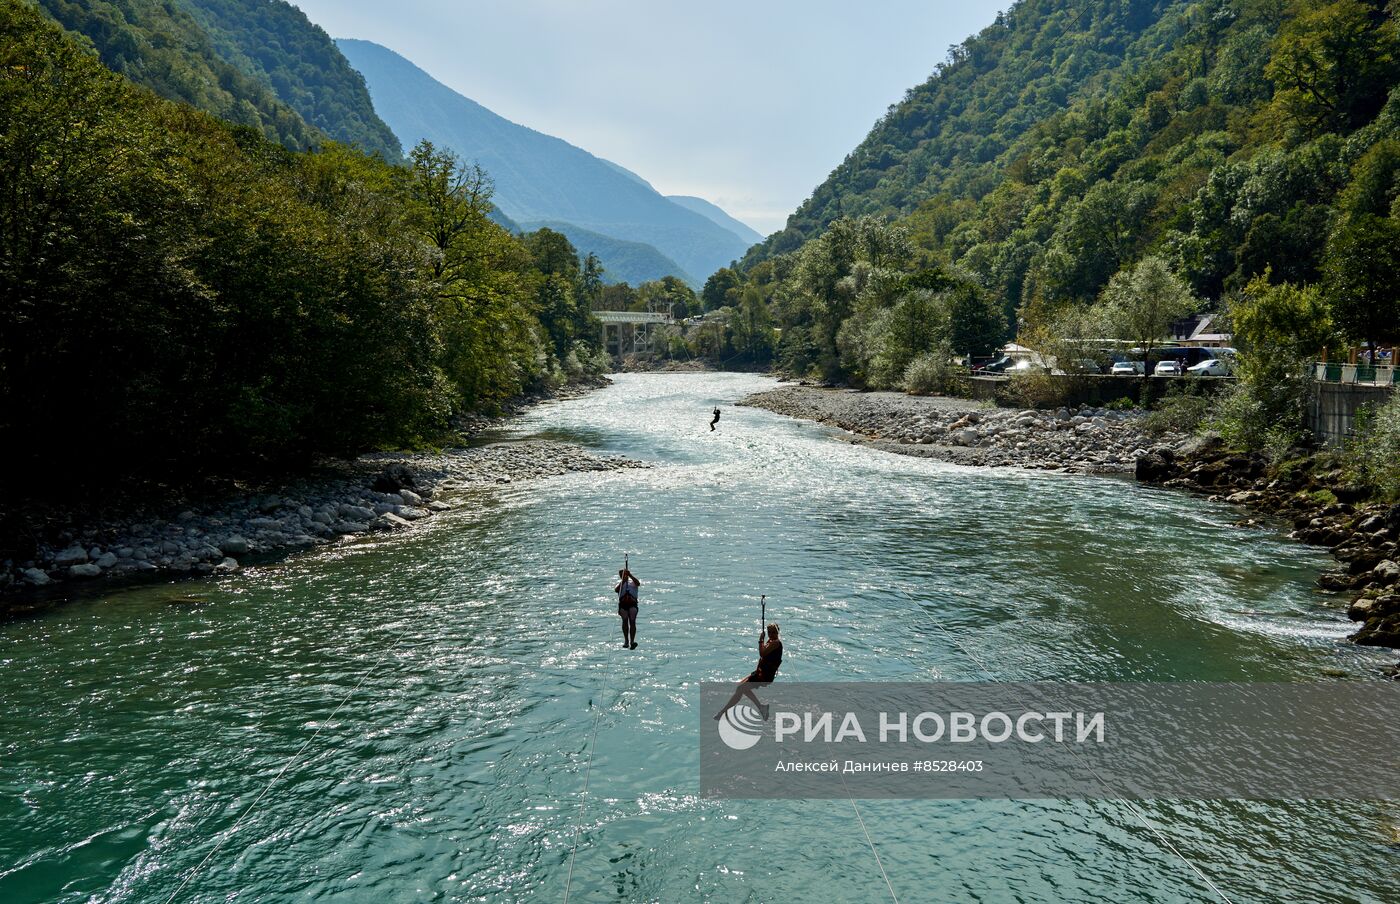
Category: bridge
[629,332]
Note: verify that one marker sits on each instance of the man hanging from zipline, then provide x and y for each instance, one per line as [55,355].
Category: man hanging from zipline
[770,656]
[714,421]
[626,590]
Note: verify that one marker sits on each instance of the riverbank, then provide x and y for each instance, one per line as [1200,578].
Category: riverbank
[1079,440]
[1309,492]
[382,492]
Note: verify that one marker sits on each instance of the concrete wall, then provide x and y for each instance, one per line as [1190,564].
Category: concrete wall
[1095,389]
[1332,412]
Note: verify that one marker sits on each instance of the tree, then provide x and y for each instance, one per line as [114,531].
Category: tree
[720,289]
[752,326]
[1140,305]
[1281,319]
[1362,275]
[976,324]
[1332,67]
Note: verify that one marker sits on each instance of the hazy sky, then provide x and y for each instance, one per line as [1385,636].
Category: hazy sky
[748,104]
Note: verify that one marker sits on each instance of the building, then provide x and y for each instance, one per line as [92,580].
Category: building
[1199,330]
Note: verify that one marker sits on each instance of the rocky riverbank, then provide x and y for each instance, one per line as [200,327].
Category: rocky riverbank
[1080,440]
[1313,493]
[370,494]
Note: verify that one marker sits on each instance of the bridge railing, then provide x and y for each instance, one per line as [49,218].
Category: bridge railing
[1367,374]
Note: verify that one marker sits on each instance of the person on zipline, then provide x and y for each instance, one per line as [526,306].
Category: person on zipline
[770,656]
[715,421]
[626,590]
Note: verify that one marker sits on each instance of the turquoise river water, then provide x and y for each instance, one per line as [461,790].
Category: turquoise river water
[441,687]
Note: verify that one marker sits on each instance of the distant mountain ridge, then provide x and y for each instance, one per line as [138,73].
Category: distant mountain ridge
[623,261]
[717,214]
[540,178]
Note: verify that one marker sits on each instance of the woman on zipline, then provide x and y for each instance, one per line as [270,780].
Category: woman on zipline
[770,656]
[626,590]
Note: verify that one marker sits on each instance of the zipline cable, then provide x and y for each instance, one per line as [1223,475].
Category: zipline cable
[859,818]
[280,772]
[592,746]
[854,806]
[587,774]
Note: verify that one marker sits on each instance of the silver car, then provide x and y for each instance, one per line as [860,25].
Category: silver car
[1169,367]
[1211,367]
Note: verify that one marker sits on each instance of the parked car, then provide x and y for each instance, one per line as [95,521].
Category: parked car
[1126,368]
[1211,367]
[1167,367]
[995,367]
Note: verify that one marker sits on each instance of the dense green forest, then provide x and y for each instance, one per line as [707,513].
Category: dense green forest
[274,42]
[159,44]
[181,295]
[1226,140]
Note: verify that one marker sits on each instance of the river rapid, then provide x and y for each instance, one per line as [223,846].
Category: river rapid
[441,686]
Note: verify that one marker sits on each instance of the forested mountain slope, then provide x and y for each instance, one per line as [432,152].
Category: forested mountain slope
[158,44]
[1219,142]
[539,178]
[206,301]
[274,42]
[949,134]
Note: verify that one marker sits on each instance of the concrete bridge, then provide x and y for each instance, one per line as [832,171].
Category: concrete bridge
[629,332]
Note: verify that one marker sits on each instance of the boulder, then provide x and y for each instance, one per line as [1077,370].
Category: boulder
[36,576]
[73,555]
[85,570]
[234,546]
[410,497]
[350,527]
[1387,572]
[389,521]
[394,478]
[106,560]
[1152,467]
[356,513]
[227,566]
[1207,442]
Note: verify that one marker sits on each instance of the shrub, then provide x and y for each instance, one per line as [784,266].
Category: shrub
[1375,451]
[931,373]
[1178,413]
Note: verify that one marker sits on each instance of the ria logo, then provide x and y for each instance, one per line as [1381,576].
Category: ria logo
[741,727]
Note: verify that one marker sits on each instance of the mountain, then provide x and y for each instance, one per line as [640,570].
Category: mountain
[948,136]
[273,42]
[538,177]
[1218,148]
[623,261]
[158,44]
[747,234]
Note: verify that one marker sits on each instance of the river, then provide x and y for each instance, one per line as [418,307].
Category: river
[441,687]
